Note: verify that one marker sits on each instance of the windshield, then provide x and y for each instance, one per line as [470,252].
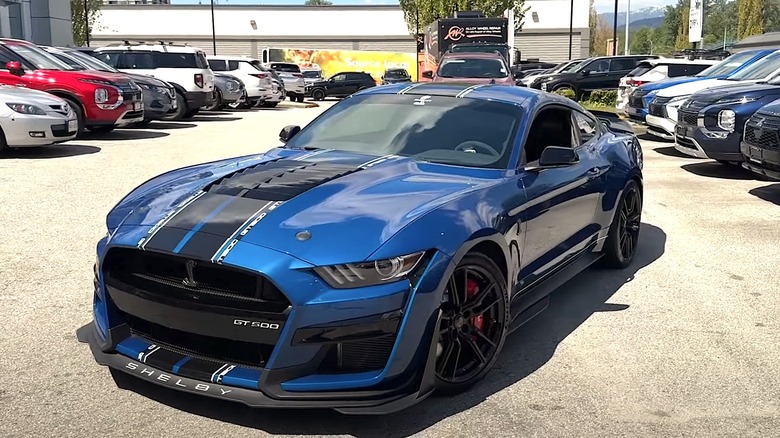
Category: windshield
[38,57]
[473,68]
[759,69]
[91,62]
[312,74]
[727,66]
[466,132]
[480,48]
[396,74]
[572,67]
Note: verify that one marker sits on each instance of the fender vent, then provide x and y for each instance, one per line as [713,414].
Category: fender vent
[278,180]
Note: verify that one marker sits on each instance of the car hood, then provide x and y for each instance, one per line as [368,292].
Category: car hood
[669,82]
[555,76]
[737,91]
[348,204]
[396,80]
[103,75]
[145,79]
[10,93]
[693,87]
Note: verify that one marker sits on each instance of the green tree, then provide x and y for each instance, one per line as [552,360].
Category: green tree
[318,3]
[78,19]
[641,42]
[430,10]
[750,18]
[681,42]
[593,21]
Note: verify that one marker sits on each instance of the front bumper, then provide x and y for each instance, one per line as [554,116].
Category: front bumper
[157,105]
[700,142]
[291,374]
[660,127]
[636,114]
[23,130]
[295,87]
[761,161]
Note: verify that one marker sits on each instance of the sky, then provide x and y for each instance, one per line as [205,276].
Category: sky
[601,5]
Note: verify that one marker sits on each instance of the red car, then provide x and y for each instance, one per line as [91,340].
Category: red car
[101,100]
[473,67]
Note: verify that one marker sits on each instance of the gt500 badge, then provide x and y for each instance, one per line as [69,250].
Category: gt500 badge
[256,324]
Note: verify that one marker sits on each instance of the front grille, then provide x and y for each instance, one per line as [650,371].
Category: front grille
[61,109]
[637,99]
[358,356]
[762,131]
[686,142]
[164,276]
[130,96]
[687,118]
[200,346]
[657,106]
[60,130]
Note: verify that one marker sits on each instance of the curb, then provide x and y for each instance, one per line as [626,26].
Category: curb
[298,104]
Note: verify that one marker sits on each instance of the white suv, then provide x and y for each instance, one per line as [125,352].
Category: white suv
[184,67]
[293,79]
[260,86]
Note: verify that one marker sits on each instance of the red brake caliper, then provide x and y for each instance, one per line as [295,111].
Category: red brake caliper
[472,289]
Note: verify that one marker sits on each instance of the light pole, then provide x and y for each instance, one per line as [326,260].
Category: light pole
[571,25]
[628,20]
[614,30]
[86,20]
[213,30]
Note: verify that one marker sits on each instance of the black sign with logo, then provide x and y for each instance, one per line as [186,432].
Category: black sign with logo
[420,42]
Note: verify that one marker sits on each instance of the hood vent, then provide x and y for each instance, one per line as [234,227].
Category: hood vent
[278,180]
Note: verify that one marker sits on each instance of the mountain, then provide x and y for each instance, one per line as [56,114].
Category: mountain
[650,17]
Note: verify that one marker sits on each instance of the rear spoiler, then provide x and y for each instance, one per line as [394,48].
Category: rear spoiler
[613,121]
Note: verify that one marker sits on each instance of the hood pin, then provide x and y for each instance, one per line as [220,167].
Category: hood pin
[303,235]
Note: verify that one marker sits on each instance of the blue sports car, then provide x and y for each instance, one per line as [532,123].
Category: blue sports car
[384,252]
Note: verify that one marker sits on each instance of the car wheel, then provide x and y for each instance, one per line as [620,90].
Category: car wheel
[301,97]
[79,116]
[269,104]
[181,108]
[143,123]
[474,324]
[217,104]
[318,94]
[623,237]
[190,114]
[101,129]
[3,143]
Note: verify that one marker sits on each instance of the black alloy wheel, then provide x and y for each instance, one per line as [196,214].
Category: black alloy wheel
[623,239]
[318,94]
[475,314]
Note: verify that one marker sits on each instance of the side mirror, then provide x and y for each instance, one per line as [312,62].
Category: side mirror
[382,78]
[288,132]
[15,67]
[520,83]
[331,80]
[556,156]
[586,73]
[427,74]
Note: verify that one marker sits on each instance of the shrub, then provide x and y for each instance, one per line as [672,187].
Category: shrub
[565,92]
[602,98]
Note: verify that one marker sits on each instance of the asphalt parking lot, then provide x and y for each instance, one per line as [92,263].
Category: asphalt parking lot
[683,343]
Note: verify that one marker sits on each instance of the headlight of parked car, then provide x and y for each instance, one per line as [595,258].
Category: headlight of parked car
[361,274]
[736,101]
[23,108]
[727,120]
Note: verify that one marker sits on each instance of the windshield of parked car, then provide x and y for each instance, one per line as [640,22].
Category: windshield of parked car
[572,67]
[472,68]
[396,74]
[286,68]
[465,132]
[92,62]
[759,69]
[727,66]
[312,74]
[38,57]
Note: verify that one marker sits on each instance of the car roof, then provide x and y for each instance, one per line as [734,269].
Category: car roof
[170,48]
[473,55]
[523,97]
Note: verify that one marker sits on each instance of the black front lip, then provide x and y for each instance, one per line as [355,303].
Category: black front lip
[384,402]
[726,149]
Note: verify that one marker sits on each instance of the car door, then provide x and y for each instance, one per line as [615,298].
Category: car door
[338,85]
[618,67]
[559,212]
[592,76]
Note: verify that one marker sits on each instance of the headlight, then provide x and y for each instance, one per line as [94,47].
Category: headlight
[369,273]
[727,119]
[736,101]
[101,95]
[23,108]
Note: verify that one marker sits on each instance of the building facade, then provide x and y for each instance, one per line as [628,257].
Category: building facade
[40,21]
[246,30]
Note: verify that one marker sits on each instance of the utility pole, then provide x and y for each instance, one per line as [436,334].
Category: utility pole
[628,20]
[614,30]
[571,26]
[213,30]
[86,19]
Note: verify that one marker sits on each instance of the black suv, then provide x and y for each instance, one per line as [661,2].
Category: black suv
[395,75]
[340,85]
[603,72]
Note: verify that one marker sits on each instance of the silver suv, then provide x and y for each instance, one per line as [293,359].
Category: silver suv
[294,83]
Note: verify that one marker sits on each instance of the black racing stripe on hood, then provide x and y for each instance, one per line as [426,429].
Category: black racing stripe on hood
[165,239]
[284,180]
[202,246]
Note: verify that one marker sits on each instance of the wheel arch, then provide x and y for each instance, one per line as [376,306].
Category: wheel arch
[492,244]
[70,96]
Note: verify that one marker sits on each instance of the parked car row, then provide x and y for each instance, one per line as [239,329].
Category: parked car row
[55,94]
[729,112]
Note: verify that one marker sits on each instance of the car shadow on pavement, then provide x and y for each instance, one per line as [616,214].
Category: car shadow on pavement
[770,193]
[54,151]
[208,118]
[157,124]
[525,351]
[670,151]
[713,169]
[123,134]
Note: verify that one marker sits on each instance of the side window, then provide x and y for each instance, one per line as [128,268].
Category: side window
[587,127]
[624,64]
[217,65]
[68,60]
[136,61]
[600,66]
[232,65]
[340,77]
[4,59]
[551,127]
[110,58]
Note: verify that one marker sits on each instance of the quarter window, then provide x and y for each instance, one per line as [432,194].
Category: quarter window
[586,126]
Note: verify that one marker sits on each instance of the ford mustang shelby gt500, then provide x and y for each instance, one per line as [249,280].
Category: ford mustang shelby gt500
[383,252]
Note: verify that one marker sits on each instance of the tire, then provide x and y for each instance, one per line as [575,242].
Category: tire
[101,129]
[191,113]
[143,123]
[79,116]
[217,104]
[269,104]
[461,333]
[300,98]
[318,94]
[3,143]
[181,108]
[623,238]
